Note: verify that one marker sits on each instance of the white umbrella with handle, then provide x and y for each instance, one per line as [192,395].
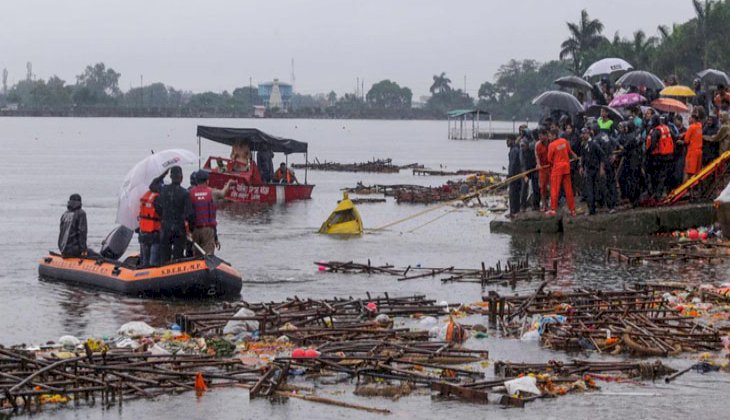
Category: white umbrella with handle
[138,179]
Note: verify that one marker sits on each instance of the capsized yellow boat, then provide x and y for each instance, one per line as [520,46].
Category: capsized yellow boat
[345,220]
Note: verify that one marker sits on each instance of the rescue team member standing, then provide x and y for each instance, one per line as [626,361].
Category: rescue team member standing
[174,208]
[204,223]
[693,140]
[559,154]
[593,164]
[149,229]
[149,225]
[541,155]
[73,230]
[660,148]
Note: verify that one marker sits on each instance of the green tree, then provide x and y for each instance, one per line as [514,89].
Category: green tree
[584,36]
[389,96]
[332,98]
[441,84]
[703,12]
[97,85]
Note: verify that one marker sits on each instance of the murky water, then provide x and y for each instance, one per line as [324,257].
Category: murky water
[45,160]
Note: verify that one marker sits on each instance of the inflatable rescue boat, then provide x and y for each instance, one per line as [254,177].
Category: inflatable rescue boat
[205,276]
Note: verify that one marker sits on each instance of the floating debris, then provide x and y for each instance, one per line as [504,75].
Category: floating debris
[641,322]
[680,252]
[509,273]
[463,172]
[376,165]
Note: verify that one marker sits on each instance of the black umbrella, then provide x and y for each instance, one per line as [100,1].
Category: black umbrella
[563,101]
[572,82]
[595,111]
[714,77]
[641,78]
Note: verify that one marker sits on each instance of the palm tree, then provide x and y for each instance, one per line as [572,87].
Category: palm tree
[440,83]
[584,36]
[703,11]
[641,48]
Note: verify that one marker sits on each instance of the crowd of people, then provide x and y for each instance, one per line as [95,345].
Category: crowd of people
[609,161]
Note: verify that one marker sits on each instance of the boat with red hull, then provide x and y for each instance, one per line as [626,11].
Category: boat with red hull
[250,187]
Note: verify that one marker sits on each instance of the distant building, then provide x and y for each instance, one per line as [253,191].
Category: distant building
[276,94]
[259,111]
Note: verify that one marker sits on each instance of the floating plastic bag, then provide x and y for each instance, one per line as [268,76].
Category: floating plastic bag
[239,326]
[527,384]
[136,329]
[69,341]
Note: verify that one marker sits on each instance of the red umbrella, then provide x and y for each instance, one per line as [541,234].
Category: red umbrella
[669,105]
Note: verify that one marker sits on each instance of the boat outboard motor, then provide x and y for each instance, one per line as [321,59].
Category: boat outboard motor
[116,242]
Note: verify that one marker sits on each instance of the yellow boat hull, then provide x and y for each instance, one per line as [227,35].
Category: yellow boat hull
[345,220]
[353,227]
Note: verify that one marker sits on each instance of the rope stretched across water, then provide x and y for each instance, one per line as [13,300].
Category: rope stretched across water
[465,197]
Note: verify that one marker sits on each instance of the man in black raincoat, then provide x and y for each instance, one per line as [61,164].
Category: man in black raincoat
[174,208]
[608,185]
[265,162]
[72,236]
[630,176]
[528,161]
[593,166]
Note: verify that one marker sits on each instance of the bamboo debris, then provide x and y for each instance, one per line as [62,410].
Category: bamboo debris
[310,321]
[376,165]
[680,252]
[112,376]
[459,172]
[638,321]
[630,369]
[508,273]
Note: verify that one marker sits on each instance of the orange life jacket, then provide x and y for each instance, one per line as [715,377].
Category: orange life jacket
[149,221]
[279,175]
[666,144]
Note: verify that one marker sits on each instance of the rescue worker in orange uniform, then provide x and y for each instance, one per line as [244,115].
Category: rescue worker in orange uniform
[660,155]
[559,154]
[693,140]
[149,226]
[541,155]
[285,175]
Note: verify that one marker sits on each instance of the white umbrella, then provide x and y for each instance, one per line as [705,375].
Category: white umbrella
[138,179]
[607,66]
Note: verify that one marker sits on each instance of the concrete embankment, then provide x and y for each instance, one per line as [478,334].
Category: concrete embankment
[644,221]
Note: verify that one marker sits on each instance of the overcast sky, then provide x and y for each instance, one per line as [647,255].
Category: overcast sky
[219,44]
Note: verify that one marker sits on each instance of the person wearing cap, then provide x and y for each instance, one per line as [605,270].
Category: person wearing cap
[73,230]
[204,224]
[631,159]
[174,208]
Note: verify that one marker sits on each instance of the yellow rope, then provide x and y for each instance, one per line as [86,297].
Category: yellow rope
[432,220]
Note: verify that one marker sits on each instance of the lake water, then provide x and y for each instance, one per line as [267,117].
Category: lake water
[47,159]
